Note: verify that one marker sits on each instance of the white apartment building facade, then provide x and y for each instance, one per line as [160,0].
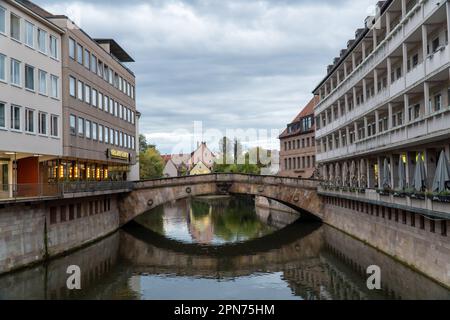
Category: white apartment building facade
[30,94]
[386,98]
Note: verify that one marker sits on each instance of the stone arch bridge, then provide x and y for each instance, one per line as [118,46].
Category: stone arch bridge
[300,194]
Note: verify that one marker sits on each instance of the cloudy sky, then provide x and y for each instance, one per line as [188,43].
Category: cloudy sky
[233,64]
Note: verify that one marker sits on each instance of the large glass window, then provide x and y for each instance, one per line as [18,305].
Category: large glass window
[2,20]
[79,54]
[15,27]
[54,131]
[54,47]
[15,117]
[2,115]
[106,135]
[29,77]
[73,124]
[54,86]
[100,133]
[87,94]
[80,94]
[87,58]
[42,41]
[88,129]
[42,124]
[15,72]
[94,97]
[72,48]
[100,101]
[94,131]
[42,82]
[80,126]
[2,67]
[29,34]
[94,64]
[72,86]
[29,120]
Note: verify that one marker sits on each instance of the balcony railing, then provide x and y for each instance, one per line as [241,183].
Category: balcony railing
[30,191]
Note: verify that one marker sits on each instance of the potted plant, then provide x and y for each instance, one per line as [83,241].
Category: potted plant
[443,196]
[399,193]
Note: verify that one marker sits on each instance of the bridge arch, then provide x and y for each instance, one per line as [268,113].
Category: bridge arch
[300,194]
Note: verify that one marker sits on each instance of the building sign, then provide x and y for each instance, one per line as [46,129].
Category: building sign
[117,154]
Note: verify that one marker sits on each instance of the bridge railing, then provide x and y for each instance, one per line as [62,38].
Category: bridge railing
[228,177]
[95,186]
[29,191]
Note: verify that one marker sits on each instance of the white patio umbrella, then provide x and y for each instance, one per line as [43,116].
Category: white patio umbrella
[364,173]
[401,175]
[353,173]
[345,173]
[419,174]
[442,174]
[386,175]
[338,174]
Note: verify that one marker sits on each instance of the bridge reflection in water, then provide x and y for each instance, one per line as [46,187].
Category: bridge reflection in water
[300,261]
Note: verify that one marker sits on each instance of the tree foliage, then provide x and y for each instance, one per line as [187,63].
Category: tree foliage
[150,161]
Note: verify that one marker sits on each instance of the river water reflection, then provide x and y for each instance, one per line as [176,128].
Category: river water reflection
[222,248]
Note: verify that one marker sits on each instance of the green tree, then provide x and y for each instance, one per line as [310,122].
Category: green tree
[143,145]
[151,164]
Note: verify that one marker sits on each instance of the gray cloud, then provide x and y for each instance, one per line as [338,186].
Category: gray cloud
[230,64]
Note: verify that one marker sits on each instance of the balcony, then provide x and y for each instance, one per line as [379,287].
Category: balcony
[437,59]
[427,206]
[421,128]
[415,75]
[38,192]
[409,24]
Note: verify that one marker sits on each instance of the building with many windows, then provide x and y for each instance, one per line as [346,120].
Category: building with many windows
[297,145]
[30,95]
[99,108]
[383,113]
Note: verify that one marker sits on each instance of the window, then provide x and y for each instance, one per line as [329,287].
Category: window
[132,143]
[100,101]
[80,93]
[87,58]
[106,135]
[111,106]
[15,117]
[437,102]
[121,139]
[120,83]
[29,34]
[54,87]
[79,54]
[72,86]
[106,103]
[15,72]
[73,124]
[53,47]
[42,123]
[15,27]
[399,73]
[54,126]
[435,44]
[132,117]
[94,97]
[94,131]
[100,69]
[94,64]
[87,94]
[121,112]
[80,126]
[29,120]
[116,108]
[116,137]
[2,68]
[2,115]
[42,82]
[2,20]
[100,133]
[88,129]
[72,46]
[29,77]
[415,60]
[111,136]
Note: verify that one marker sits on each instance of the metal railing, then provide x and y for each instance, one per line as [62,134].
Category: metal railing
[58,190]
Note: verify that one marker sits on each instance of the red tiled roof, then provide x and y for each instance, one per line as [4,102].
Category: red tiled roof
[306,111]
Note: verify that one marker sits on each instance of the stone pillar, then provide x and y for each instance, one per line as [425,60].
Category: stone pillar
[406,112]
[366,128]
[389,71]
[388,23]
[339,108]
[327,120]
[333,116]
[356,131]
[347,135]
[333,141]
[403,8]
[364,90]
[354,97]
[390,115]
[375,79]
[345,70]
[346,103]
[380,169]
[426,93]
[375,38]
[425,44]
[353,61]
[377,120]
[363,45]
[338,77]
[340,139]
[448,17]
[405,58]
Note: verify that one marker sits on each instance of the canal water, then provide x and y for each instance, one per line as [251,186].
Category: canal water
[222,248]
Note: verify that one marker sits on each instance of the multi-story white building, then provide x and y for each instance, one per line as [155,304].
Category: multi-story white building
[387,97]
[30,94]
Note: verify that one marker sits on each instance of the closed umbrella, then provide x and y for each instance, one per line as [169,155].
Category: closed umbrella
[364,173]
[401,175]
[353,173]
[338,174]
[332,174]
[442,174]
[386,175]
[345,173]
[419,174]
